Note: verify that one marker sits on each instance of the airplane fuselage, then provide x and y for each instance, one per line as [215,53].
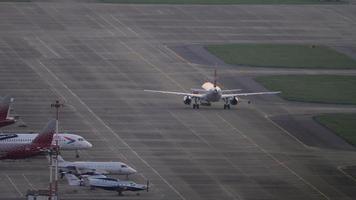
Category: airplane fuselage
[115,185]
[7,122]
[212,95]
[109,167]
[66,141]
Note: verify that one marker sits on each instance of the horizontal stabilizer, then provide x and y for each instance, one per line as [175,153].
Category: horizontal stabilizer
[72,179]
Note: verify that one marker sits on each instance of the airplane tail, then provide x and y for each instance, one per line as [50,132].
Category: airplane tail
[147,185]
[45,137]
[60,159]
[73,180]
[5,107]
[208,85]
[215,78]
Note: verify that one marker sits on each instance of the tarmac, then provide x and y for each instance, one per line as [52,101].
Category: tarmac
[98,58]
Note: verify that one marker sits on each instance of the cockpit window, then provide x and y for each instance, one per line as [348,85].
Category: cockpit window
[123,166]
[80,139]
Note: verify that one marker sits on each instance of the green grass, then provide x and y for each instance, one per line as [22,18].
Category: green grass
[225,1]
[342,124]
[282,55]
[313,88]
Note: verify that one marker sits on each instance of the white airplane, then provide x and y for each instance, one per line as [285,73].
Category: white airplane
[82,167]
[211,93]
[103,182]
[66,141]
[17,146]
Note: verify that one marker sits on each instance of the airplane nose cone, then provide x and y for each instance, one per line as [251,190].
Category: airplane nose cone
[89,145]
[132,171]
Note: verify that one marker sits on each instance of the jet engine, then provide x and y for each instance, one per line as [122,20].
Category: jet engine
[234,101]
[187,100]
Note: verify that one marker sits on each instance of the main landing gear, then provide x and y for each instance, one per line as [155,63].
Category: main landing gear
[196,104]
[227,104]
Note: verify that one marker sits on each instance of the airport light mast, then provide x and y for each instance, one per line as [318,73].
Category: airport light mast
[57,105]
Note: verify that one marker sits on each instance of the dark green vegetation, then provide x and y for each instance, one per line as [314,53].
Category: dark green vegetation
[281,55]
[224,1]
[342,124]
[313,88]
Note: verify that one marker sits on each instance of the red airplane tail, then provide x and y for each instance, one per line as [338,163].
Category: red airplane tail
[42,142]
[45,137]
[5,108]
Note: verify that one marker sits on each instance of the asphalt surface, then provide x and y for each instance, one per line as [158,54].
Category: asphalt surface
[98,58]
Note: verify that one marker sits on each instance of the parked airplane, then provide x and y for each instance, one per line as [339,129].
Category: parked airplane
[16,146]
[103,182]
[82,167]
[5,105]
[66,141]
[211,93]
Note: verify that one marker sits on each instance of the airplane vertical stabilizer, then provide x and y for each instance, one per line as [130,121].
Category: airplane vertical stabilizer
[5,108]
[215,78]
[207,86]
[45,137]
[60,159]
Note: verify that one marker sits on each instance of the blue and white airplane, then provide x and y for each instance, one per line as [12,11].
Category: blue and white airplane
[103,182]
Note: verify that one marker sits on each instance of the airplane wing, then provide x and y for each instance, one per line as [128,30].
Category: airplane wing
[247,94]
[233,90]
[176,93]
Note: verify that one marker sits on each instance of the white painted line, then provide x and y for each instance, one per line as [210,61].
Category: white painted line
[178,56]
[127,27]
[49,48]
[340,168]
[28,182]
[153,66]
[96,21]
[287,132]
[13,184]
[208,144]
[116,28]
[275,159]
[113,133]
